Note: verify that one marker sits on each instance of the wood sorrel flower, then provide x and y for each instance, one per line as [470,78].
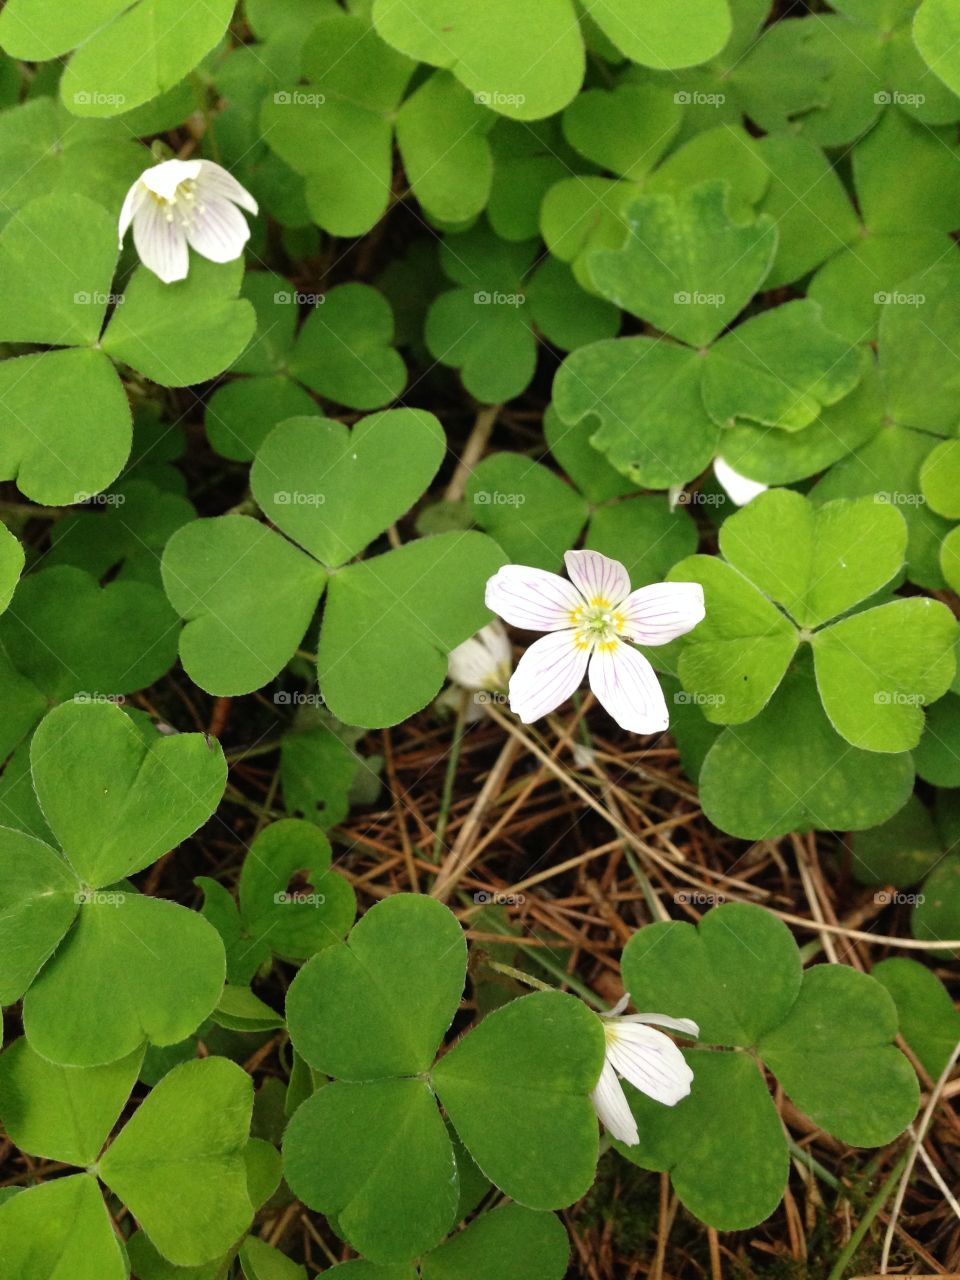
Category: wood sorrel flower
[482,662]
[186,202]
[590,621]
[739,489]
[648,1059]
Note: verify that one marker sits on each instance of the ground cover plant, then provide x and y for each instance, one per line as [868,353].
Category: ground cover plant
[479,706]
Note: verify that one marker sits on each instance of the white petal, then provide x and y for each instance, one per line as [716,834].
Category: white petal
[131,205]
[610,1104]
[738,488]
[215,181]
[532,598]
[661,612]
[685,1026]
[163,179]
[649,1060]
[628,689]
[218,230]
[618,1008]
[161,244]
[598,577]
[546,675]
[483,661]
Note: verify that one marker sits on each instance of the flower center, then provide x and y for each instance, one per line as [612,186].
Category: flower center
[598,625]
[183,205]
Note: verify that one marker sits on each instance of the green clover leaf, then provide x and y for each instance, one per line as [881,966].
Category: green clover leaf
[875,670]
[110,73]
[397,615]
[179,1163]
[826,1033]
[67,423]
[116,800]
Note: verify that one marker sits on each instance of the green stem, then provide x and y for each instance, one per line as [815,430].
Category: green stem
[520,976]
[865,1223]
[450,777]
[815,1167]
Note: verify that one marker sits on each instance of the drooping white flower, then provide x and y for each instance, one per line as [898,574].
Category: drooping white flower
[738,488]
[483,662]
[186,202]
[648,1059]
[590,621]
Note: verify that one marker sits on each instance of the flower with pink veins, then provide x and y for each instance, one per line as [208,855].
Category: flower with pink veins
[592,622]
[648,1059]
[181,203]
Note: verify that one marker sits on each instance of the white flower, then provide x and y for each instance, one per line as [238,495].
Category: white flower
[648,1059]
[483,661]
[186,202]
[590,620]
[738,488]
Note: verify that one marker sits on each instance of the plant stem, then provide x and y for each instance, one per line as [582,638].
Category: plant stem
[450,777]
